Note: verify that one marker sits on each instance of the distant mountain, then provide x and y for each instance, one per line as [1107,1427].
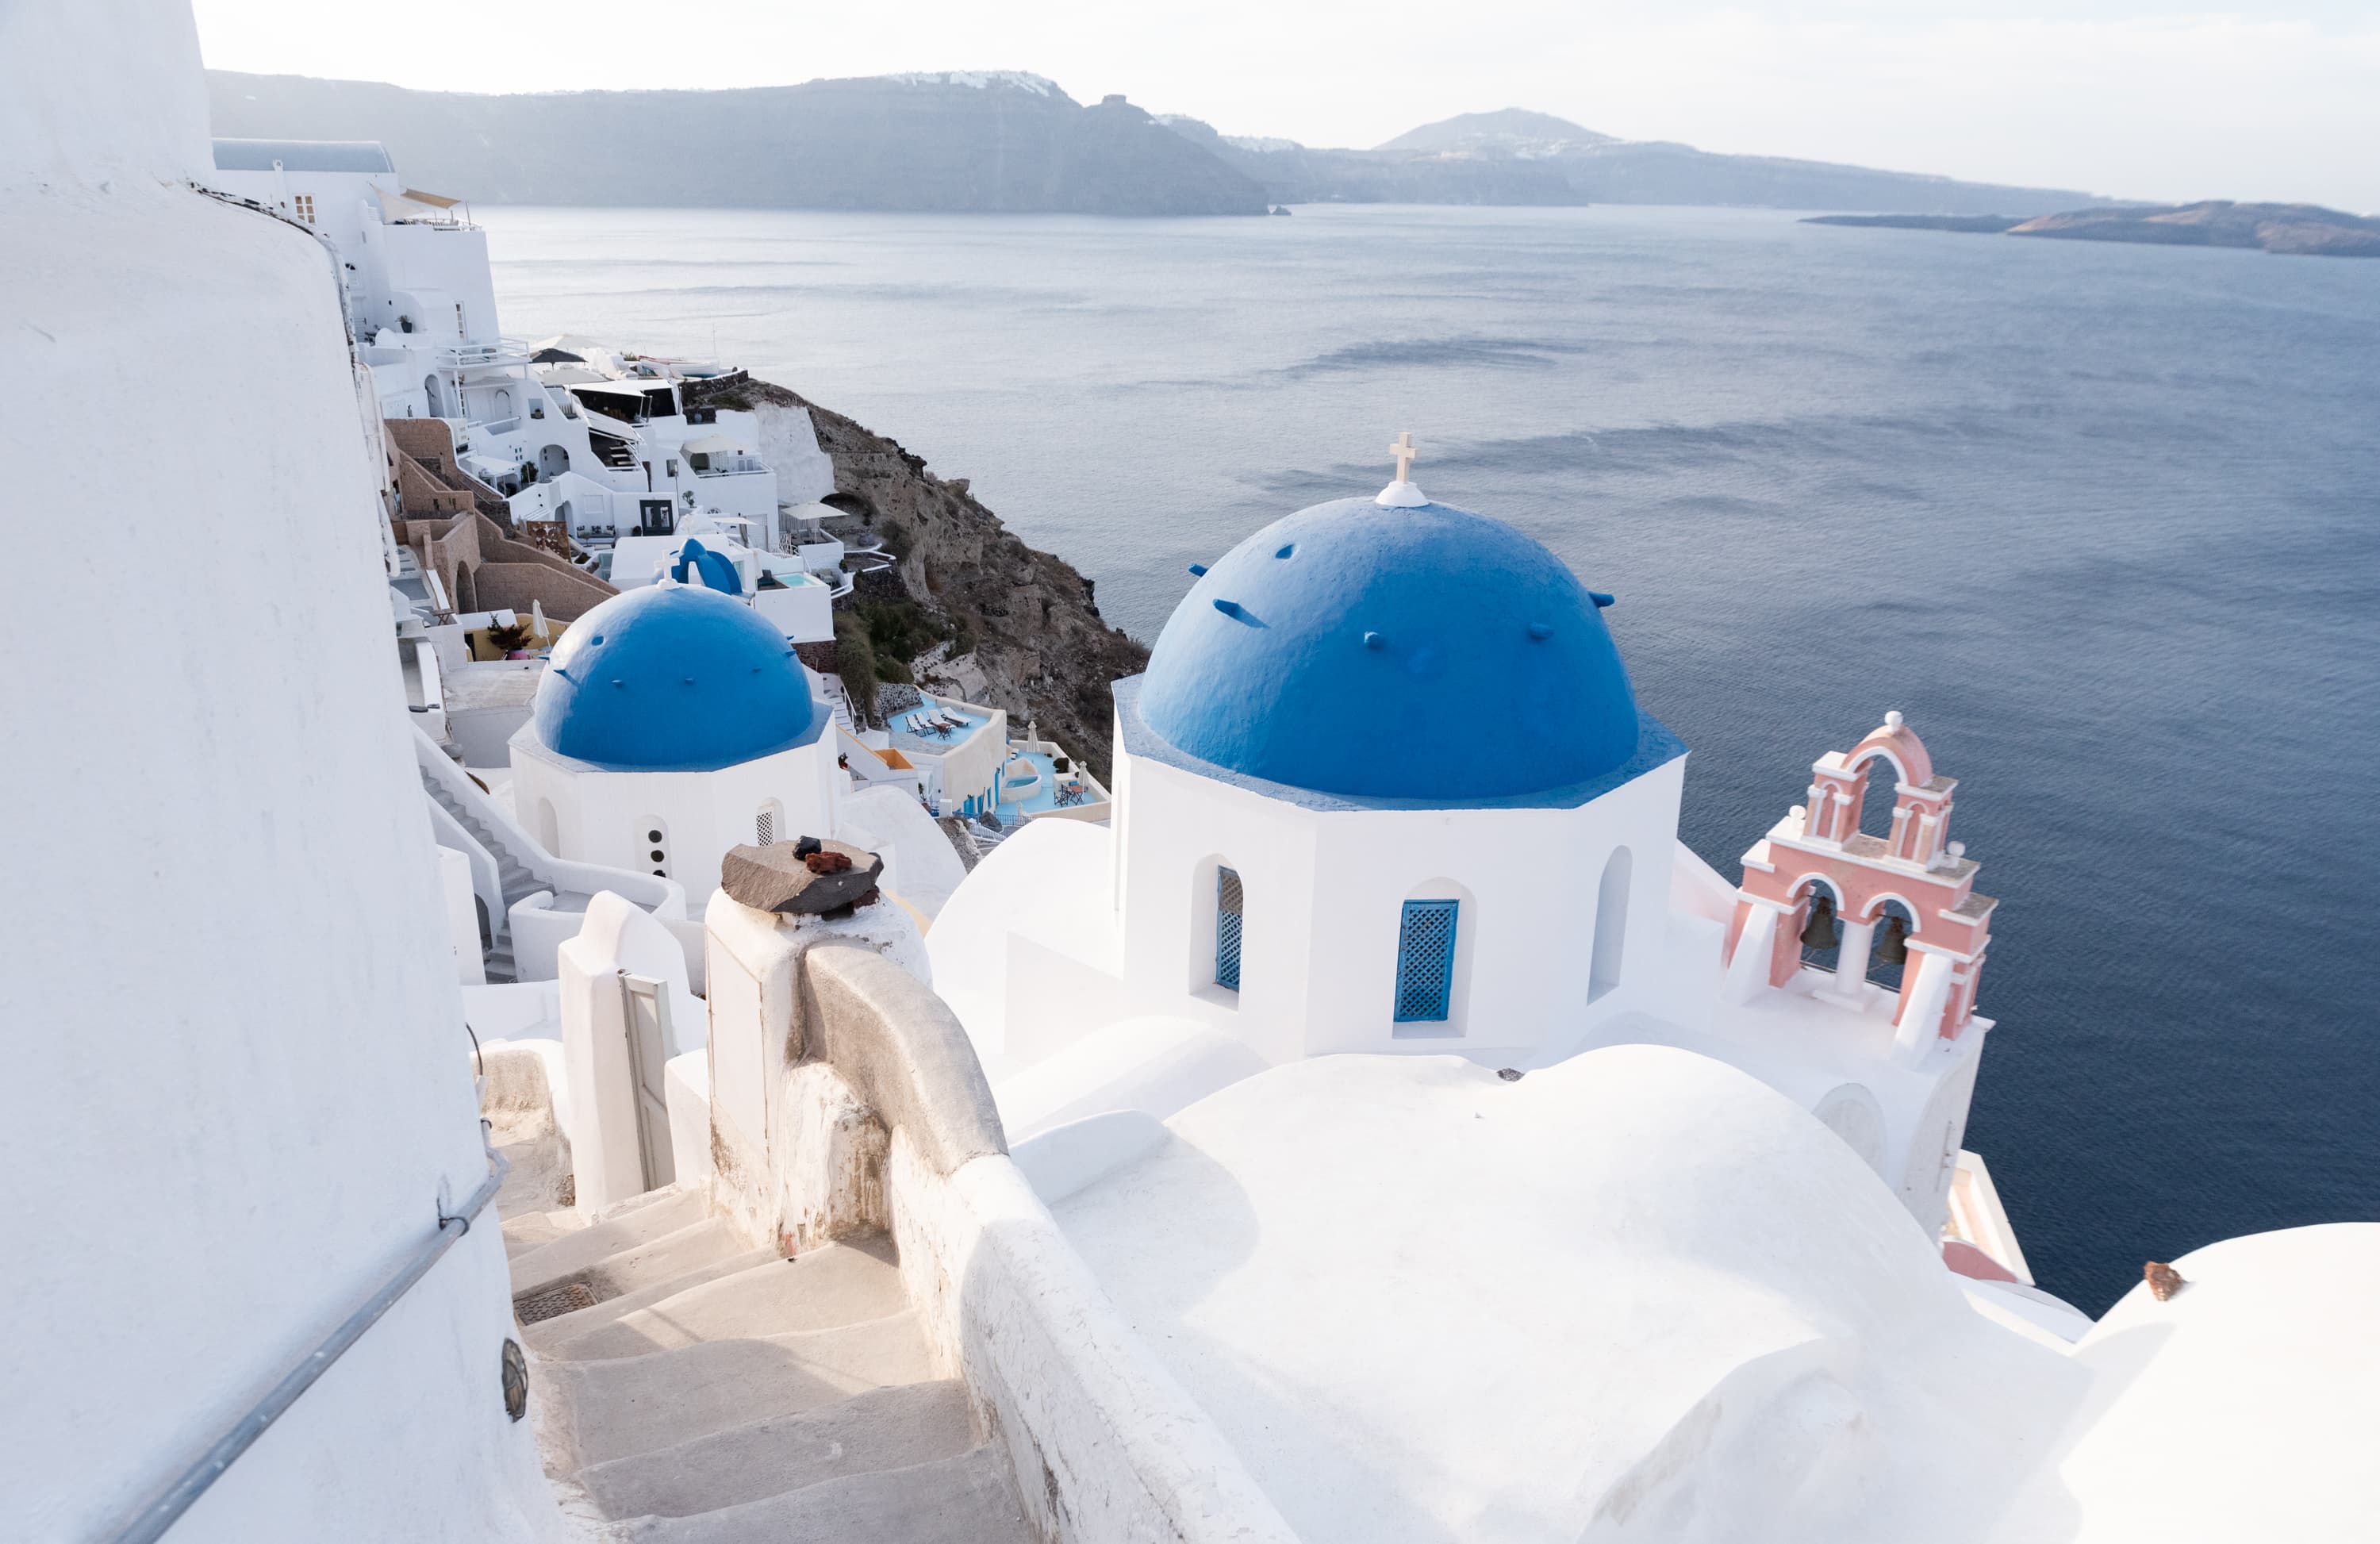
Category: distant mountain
[1519,157]
[1510,130]
[1004,142]
[989,141]
[2272,228]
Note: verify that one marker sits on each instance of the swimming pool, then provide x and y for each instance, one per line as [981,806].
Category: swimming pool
[1029,784]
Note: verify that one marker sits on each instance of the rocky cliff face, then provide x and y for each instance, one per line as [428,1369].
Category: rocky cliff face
[957,141]
[1021,623]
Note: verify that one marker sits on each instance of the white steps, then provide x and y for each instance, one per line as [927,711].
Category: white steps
[708,1391]
[601,1243]
[547,1337]
[632,1405]
[884,1428]
[836,1285]
[964,1500]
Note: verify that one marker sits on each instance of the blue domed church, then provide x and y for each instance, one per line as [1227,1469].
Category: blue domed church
[1384,786]
[673,724]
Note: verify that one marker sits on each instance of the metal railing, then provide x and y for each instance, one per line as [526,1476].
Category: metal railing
[167,1509]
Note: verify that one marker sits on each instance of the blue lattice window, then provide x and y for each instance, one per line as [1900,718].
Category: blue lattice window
[1227,928]
[1425,961]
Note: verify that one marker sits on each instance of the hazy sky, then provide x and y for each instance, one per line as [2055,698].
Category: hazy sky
[2125,97]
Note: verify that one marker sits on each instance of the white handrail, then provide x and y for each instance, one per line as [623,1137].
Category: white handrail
[167,1510]
[663,897]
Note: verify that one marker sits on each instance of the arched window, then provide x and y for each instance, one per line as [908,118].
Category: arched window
[1610,925]
[1230,900]
[654,853]
[764,823]
[1426,936]
[548,827]
[1883,780]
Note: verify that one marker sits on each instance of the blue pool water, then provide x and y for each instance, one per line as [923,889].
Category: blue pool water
[2102,521]
[1047,789]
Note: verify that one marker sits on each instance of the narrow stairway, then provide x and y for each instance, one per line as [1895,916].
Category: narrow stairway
[612,450]
[513,876]
[700,1390]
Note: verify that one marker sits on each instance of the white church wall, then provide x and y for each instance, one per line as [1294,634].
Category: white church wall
[277,1072]
[1527,881]
[608,817]
[1176,827]
[1323,894]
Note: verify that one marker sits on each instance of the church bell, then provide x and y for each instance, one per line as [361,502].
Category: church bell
[1818,933]
[1893,948]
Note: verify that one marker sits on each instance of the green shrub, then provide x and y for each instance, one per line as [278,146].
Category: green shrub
[900,629]
[856,662]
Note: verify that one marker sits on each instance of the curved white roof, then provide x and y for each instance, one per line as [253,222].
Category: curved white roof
[1638,1295]
[302,155]
[1637,1291]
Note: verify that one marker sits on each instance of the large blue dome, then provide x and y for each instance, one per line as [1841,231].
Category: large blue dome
[673,678]
[1423,653]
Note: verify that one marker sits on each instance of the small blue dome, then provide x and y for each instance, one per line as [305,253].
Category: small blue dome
[1422,652]
[673,678]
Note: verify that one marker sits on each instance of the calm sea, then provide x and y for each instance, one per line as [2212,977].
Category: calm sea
[2104,521]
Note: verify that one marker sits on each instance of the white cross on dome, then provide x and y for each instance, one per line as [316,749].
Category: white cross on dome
[1401,494]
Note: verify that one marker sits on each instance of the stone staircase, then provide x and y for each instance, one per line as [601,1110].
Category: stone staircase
[838,700]
[612,450]
[700,1390]
[513,876]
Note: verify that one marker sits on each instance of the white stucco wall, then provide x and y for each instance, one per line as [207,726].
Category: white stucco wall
[1324,891]
[605,816]
[246,1110]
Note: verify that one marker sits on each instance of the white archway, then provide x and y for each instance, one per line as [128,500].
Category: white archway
[1854,1113]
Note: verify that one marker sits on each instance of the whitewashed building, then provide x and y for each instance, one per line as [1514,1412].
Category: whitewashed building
[672,724]
[768,1267]
[1386,787]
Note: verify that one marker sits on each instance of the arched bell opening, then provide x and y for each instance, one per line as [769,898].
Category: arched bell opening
[1888,955]
[1820,906]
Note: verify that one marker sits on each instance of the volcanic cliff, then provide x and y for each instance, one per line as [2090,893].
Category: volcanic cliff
[966,603]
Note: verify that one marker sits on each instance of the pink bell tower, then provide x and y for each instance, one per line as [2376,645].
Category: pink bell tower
[1915,863]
